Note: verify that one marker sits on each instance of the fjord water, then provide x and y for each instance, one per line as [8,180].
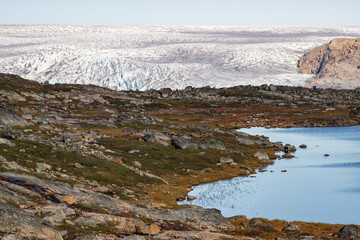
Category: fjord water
[315,188]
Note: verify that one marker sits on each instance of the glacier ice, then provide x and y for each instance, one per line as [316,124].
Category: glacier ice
[145,57]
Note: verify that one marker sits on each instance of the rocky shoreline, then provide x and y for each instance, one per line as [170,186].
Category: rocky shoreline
[85,162]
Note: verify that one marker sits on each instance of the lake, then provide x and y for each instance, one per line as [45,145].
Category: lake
[315,188]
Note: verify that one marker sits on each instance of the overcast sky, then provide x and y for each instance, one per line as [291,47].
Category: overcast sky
[182,12]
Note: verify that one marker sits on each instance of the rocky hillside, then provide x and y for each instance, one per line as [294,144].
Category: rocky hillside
[85,162]
[336,64]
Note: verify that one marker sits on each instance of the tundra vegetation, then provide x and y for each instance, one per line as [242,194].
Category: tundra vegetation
[85,162]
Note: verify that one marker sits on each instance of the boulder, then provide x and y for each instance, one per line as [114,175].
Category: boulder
[226,160]
[245,141]
[262,155]
[6,142]
[291,228]
[9,117]
[42,167]
[136,164]
[272,88]
[347,232]
[261,225]
[78,165]
[70,138]
[157,137]
[289,148]
[165,92]
[184,143]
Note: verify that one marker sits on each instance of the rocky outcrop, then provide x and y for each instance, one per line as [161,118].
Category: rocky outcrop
[24,225]
[8,117]
[335,64]
[62,201]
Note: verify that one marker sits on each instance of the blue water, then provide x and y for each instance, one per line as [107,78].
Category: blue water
[315,188]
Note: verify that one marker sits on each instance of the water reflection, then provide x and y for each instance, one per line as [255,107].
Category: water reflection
[314,188]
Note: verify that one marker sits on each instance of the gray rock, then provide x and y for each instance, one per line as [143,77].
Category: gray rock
[347,232]
[245,141]
[136,164]
[291,228]
[157,137]
[54,214]
[70,138]
[134,151]
[6,142]
[183,143]
[357,90]
[9,117]
[272,88]
[289,148]
[196,217]
[226,160]
[14,166]
[78,165]
[260,154]
[260,224]
[24,225]
[101,189]
[42,167]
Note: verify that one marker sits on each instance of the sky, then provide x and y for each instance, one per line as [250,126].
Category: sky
[182,12]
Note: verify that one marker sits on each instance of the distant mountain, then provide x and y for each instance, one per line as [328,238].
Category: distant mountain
[139,57]
[335,64]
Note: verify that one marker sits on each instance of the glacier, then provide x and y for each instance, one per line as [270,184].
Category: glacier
[154,57]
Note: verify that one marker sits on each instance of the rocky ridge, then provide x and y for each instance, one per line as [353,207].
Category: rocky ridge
[335,64]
